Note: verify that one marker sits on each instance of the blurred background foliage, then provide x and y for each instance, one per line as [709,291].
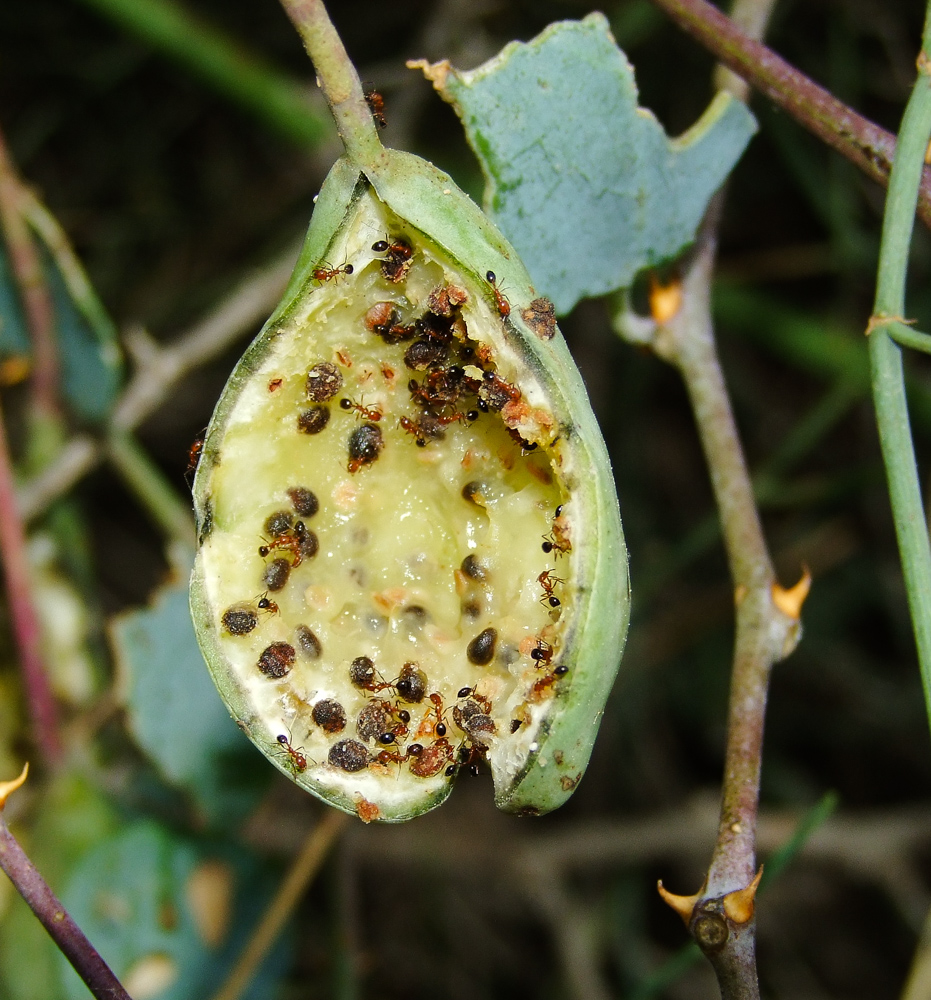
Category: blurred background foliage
[176,181]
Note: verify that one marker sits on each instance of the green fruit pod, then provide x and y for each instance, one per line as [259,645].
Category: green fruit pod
[410,552]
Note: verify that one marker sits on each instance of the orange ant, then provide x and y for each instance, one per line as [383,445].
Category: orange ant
[363,675]
[297,761]
[298,542]
[265,603]
[432,759]
[501,302]
[364,411]
[548,582]
[376,105]
[536,691]
[397,262]
[322,272]
[193,456]
[542,652]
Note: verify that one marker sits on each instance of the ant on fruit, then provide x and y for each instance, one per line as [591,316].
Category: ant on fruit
[363,675]
[265,603]
[396,263]
[540,686]
[298,542]
[558,539]
[548,582]
[542,652]
[297,761]
[361,410]
[501,302]
[323,272]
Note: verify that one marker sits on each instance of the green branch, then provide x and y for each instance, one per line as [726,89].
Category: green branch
[886,359]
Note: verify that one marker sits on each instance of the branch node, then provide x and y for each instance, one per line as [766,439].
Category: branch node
[8,787]
[883,319]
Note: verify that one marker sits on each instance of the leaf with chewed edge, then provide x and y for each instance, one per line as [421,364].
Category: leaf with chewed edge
[585,184]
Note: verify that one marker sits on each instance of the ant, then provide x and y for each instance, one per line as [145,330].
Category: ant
[501,302]
[376,105]
[542,652]
[399,729]
[322,272]
[265,603]
[193,456]
[397,262]
[298,542]
[364,411]
[432,759]
[548,582]
[536,691]
[297,761]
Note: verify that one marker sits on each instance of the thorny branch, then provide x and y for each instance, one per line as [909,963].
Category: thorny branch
[868,146]
[66,934]
[720,915]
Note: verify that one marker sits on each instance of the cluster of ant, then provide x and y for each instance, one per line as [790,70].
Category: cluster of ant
[387,723]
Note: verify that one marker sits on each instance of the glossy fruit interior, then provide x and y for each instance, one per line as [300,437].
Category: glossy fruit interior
[389,555]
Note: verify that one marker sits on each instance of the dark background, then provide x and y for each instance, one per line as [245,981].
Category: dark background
[171,193]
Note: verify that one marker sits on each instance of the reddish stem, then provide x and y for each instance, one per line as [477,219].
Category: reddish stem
[871,148]
[42,708]
[27,270]
[66,934]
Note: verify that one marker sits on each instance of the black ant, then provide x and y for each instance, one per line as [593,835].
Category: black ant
[542,652]
[265,603]
[540,686]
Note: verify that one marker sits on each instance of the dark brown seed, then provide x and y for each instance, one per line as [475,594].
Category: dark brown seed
[324,381]
[365,444]
[473,569]
[276,574]
[471,609]
[309,644]
[480,727]
[309,545]
[540,316]
[329,716]
[361,672]
[412,684]
[277,659]
[464,712]
[424,354]
[303,501]
[239,621]
[279,523]
[373,720]
[350,755]
[481,650]
[475,492]
[415,615]
[313,421]
[433,759]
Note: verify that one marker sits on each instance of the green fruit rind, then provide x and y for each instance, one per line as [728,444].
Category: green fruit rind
[536,772]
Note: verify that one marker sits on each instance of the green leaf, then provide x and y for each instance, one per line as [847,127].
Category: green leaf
[584,183]
[174,711]
[136,896]
[91,362]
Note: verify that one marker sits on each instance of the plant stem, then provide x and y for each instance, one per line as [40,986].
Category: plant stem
[42,709]
[66,934]
[150,487]
[37,302]
[871,148]
[225,64]
[305,867]
[886,360]
[338,79]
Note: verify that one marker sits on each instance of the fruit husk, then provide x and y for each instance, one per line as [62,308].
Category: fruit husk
[429,202]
